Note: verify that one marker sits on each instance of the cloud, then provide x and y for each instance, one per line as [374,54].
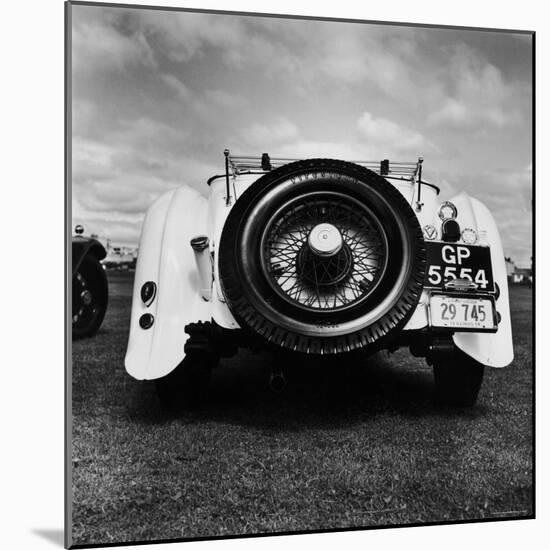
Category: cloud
[176,85]
[223,99]
[158,95]
[98,43]
[274,134]
[118,232]
[452,112]
[280,137]
[377,55]
[116,196]
[478,94]
[392,138]
[304,148]
[466,115]
[91,159]
[185,36]
[123,171]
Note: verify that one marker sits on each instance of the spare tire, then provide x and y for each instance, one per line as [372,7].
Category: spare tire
[322,256]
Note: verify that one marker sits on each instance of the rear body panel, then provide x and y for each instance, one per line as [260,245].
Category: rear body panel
[494,350]
[167,258]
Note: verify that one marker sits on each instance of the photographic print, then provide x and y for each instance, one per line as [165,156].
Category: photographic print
[302,276]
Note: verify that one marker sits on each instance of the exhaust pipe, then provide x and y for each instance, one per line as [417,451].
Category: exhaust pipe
[203,260]
[277,381]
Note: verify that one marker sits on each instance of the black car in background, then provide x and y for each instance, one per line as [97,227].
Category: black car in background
[89,285]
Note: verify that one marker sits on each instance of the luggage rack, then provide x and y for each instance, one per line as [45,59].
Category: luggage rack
[243,164]
[236,165]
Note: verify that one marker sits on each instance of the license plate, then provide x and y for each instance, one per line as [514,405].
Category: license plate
[448,261]
[462,314]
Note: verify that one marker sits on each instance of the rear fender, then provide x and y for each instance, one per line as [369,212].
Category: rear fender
[493,350]
[166,258]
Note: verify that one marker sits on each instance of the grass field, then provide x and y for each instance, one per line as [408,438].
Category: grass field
[364,446]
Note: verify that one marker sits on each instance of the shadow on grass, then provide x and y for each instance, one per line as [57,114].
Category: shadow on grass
[343,393]
[337,394]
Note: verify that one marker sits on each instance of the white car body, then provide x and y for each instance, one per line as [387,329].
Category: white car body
[167,258]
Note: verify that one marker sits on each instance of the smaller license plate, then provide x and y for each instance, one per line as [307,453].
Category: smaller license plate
[462,314]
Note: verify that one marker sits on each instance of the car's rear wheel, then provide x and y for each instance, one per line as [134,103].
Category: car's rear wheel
[458,379]
[89,297]
[322,256]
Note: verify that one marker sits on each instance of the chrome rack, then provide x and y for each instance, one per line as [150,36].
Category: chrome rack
[236,165]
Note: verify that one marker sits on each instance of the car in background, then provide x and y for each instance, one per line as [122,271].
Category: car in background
[90,292]
[119,257]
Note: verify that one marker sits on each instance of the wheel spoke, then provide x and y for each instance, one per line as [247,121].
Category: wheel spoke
[324,283]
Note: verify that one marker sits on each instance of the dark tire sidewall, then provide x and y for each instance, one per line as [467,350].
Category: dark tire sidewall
[94,274]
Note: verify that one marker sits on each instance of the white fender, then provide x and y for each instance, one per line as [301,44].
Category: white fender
[490,349]
[167,259]
[493,350]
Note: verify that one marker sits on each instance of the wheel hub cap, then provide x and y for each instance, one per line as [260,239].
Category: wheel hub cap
[86,297]
[324,251]
[325,240]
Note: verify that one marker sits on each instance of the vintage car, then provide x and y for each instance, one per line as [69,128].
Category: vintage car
[89,285]
[318,257]
[119,257]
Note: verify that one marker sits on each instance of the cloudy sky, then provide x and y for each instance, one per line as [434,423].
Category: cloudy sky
[158,95]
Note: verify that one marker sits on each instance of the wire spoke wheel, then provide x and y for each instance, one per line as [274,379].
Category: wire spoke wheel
[326,281]
[322,256]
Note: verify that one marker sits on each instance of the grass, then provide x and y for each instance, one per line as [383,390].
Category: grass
[364,446]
